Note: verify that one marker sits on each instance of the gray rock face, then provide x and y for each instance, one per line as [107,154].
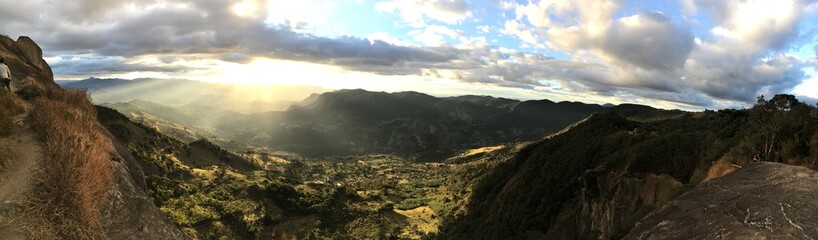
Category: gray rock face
[131,214]
[34,55]
[762,201]
[25,60]
[613,201]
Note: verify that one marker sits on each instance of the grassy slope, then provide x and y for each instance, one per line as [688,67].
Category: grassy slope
[74,177]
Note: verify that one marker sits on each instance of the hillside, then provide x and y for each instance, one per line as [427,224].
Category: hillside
[348,122]
[412,124]
[75,182]
[603,175]
[185,125]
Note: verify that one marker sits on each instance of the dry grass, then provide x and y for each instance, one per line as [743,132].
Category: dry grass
[75,174]
[481,150]
[724,166]
[422,221]
[9,107]
[5,156]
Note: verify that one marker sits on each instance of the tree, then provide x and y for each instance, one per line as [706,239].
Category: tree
[781,115]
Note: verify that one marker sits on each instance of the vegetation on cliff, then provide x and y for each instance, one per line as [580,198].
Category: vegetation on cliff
[537,192]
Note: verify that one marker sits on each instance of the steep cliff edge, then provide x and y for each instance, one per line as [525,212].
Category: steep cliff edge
[130,213]
[761,201]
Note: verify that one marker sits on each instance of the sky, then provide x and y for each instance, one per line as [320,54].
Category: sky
[688,54]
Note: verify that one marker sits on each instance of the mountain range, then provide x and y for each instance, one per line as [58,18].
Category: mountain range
[349,122]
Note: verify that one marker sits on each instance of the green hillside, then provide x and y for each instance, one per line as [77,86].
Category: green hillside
[592,181]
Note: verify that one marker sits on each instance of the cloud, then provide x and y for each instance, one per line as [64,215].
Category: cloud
[72,66]
[435,35]
[650,41]
[652,55]
[515,28]
[604,47]
[417,13]
[212,27]
[484,29]
[746,56]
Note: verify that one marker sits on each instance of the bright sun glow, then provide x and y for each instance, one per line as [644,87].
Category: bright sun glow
[268,71]
[246,8]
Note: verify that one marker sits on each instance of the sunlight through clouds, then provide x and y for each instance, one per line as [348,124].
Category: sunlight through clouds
[246,8]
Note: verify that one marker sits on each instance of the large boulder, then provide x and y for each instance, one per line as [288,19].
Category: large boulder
[25,60]
[761,201]
[34,55]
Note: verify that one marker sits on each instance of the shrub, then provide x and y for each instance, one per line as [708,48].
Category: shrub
[75,173]
[412,203]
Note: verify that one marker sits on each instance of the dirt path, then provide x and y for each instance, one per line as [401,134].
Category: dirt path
[16,178]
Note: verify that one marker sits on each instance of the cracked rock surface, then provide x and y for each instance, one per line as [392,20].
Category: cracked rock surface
[761,201]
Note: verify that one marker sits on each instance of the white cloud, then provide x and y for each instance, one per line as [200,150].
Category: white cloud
[384,36]
[300,15]
[688,6]
[416,13]
[484,29]
[650,41]
[536,14]
[653,55]
[517,29]
[435,35]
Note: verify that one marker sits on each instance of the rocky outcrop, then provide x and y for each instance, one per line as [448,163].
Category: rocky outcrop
[34,55]
[761,201]
[25,60]
[131,214]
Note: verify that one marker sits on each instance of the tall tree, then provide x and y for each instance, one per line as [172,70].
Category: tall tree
[771,118]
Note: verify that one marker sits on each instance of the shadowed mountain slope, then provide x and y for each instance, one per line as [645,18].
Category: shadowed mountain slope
[407,123]
[597,179]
